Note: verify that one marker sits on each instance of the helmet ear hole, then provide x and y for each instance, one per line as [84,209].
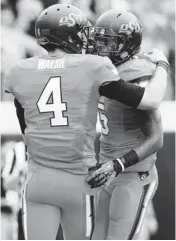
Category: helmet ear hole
[71,39]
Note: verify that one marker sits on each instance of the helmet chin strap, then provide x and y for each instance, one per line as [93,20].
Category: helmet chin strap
[117,60]
[63,45]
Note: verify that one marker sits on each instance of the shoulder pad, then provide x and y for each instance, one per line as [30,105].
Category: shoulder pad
[97,60]
[135,69]
[104,62]
[29,63]
[107,62]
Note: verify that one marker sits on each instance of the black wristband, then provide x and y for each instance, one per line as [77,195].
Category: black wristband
[163,64]
[130,159]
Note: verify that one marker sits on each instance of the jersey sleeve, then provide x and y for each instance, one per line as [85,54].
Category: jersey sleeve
[124,92]
[8,80]
[106,71]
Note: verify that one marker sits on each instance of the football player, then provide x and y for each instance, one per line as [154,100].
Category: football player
[56,97]
[133,136]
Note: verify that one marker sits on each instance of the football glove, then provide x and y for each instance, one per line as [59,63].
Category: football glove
[103,173]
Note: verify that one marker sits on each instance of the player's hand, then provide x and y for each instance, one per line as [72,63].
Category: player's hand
[104,173]
[155,56]
[100,174]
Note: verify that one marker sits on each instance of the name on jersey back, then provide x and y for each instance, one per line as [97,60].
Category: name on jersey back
[51,64]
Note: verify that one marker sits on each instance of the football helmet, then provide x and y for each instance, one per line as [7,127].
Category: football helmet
[117,35]
[64,26]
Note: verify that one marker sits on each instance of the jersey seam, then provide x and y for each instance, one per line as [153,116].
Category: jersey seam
[140,76]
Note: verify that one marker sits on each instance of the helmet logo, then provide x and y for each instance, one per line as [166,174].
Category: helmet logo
[129,27]
[71,20]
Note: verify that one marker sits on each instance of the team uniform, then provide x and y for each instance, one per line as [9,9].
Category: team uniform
[56,100]
[126,198]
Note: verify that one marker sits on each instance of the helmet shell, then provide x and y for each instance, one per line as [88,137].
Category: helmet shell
[62,25]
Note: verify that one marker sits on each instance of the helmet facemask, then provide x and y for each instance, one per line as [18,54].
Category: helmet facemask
[115,46]
[84,35]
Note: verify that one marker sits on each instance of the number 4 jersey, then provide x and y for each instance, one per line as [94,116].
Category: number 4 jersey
[57,100]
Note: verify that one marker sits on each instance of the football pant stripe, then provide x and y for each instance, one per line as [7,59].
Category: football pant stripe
[89,215]
[92,215]
[147,194]
[148,197]
[24,209]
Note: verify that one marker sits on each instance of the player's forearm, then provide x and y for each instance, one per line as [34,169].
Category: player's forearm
[155,90]
[149,146]
[139,153]
[152,129]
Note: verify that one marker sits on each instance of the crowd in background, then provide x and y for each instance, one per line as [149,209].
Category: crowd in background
[18,32]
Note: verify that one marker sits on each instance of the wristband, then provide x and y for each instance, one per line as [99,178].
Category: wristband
[130,159]
[127,160]
[163,64]
[120,165]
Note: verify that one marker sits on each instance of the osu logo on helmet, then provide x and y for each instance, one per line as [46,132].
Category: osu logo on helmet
[70,20]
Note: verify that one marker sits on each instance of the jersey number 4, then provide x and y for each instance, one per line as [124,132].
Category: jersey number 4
[51,101]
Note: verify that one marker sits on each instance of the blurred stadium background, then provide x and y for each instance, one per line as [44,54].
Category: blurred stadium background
[17,41]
